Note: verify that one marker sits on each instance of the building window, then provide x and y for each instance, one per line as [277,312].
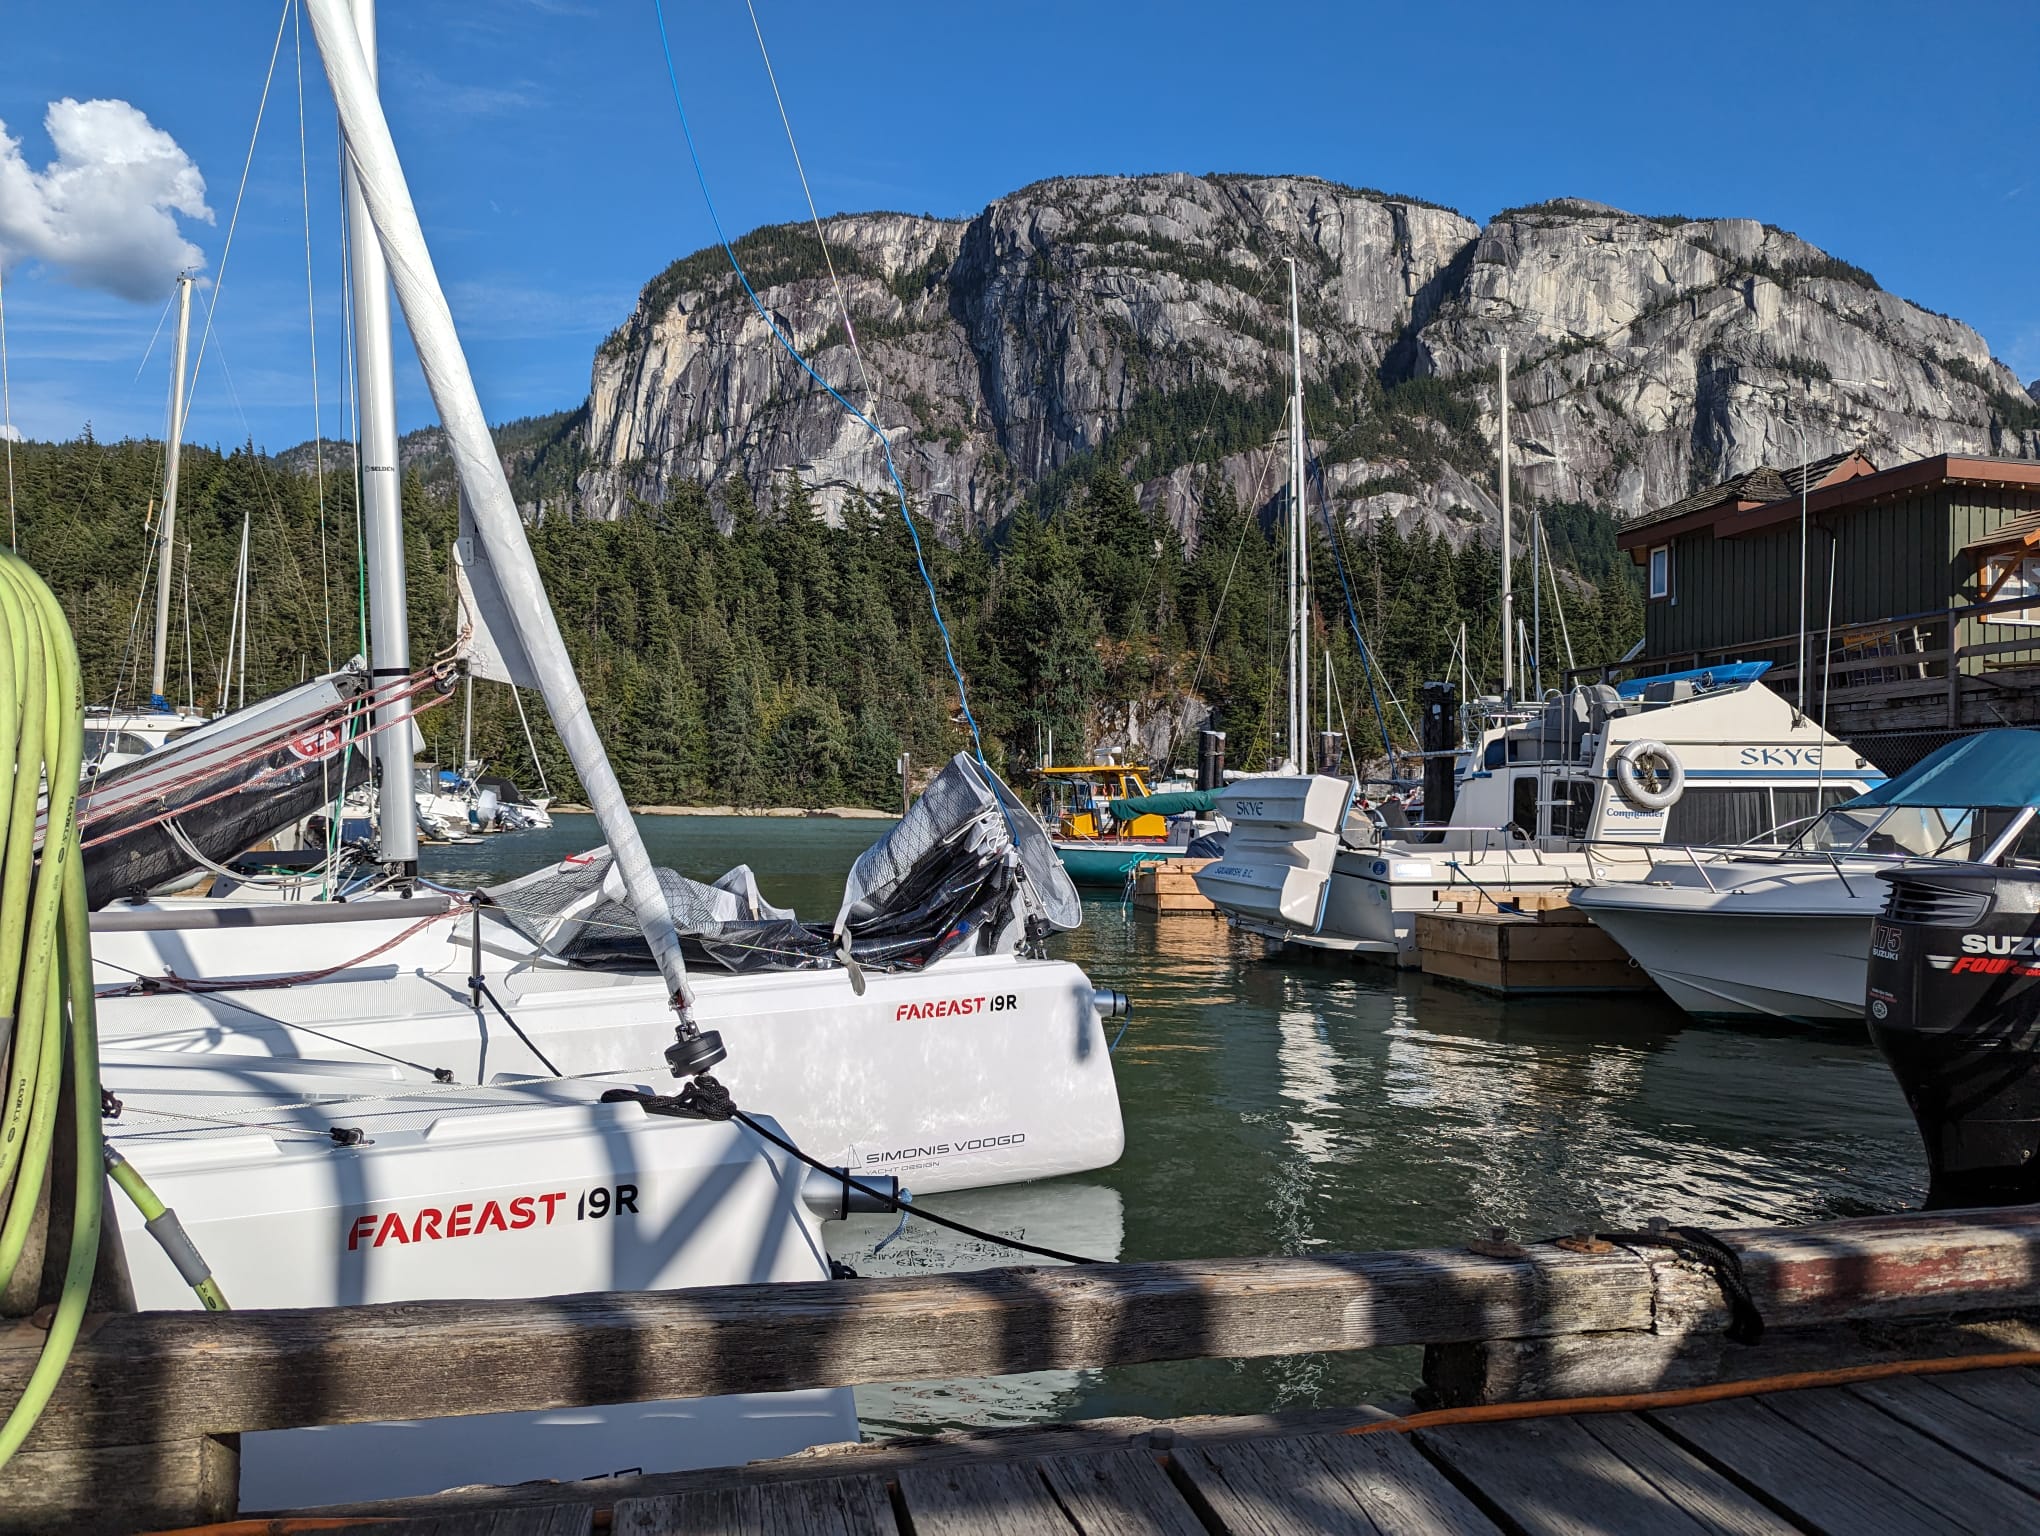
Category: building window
[1661,571]
[2004,577]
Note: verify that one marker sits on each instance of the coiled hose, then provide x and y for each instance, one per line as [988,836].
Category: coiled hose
[47,1022]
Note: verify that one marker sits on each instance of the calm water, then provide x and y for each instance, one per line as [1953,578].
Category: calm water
[1302,1107]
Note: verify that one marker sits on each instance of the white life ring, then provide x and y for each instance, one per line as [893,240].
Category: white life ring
[1650,775]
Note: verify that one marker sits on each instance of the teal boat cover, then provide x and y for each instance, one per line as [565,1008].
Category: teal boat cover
[1176,804]
[1991,768]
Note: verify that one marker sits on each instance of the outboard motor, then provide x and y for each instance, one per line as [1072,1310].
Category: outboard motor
[1953,1002]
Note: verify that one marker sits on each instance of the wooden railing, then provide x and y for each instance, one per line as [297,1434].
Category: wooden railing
[139,1433]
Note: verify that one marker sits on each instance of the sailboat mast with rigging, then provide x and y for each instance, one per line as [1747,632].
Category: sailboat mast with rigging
[382,515]
[1299,551]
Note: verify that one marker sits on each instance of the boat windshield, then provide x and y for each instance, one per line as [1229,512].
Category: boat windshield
[1905,831]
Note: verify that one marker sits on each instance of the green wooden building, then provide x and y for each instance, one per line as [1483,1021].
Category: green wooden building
[1919,586]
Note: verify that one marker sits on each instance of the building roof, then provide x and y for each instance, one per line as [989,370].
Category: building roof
[1767,496]
[1758,486]
[2023,529]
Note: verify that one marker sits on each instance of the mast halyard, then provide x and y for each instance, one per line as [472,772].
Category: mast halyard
[379,177]
[381,502]
[166,522]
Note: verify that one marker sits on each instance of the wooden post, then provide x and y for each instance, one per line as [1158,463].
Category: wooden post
[1954,670]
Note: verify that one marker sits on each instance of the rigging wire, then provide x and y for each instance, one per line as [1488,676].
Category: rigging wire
[772,325]
[212,297]
[842,304]
[1353,614]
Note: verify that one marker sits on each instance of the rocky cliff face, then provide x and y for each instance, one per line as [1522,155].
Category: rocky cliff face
[1146,319]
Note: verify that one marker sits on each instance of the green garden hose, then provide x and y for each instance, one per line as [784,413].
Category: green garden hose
[168,1231]
[45,965]
[47,1020]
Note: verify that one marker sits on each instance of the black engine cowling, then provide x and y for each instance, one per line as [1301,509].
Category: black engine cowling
[1953,1002]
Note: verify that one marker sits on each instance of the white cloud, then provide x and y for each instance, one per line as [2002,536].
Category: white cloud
[10,434]
[103,213]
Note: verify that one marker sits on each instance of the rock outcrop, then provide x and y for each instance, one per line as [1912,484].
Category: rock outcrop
[1147,319]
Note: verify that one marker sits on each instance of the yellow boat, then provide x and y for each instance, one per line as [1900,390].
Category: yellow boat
[1095,849]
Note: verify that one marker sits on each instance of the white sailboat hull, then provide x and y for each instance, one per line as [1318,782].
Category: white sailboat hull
[978,1070]
[534,1190]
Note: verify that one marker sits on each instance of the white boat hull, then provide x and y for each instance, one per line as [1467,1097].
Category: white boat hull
[1716,961]
[979,1070]
[528,1191]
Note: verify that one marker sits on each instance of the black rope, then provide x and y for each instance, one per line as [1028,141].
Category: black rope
[707,1099]
[482,987]
[1746,1323]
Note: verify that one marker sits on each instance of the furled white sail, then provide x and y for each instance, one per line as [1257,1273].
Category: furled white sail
[489,642]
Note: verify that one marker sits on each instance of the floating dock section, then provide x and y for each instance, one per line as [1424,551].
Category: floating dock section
[1546,945]
[1168,888]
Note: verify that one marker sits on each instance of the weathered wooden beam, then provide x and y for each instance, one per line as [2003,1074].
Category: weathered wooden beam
[151,1377]
[1611,1364]
[1845,1293]
[119,1489]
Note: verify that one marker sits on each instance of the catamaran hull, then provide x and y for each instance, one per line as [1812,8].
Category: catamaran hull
[1806,968]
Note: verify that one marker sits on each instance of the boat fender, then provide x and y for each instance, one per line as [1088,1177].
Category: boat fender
[1650,775]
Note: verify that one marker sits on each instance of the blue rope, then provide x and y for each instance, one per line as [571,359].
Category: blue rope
[1353,615]
[885,443]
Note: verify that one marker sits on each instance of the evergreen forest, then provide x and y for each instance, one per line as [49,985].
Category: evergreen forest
[744,654]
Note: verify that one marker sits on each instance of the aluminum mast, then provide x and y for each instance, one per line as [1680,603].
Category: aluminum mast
[1508,578]
[379,178]
[382,512]
[1299,551]
[166,521]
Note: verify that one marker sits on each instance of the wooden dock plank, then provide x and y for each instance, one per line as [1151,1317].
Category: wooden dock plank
[1797,1472]
[994,1499]
[1549,1477]
[837,1506]
[1876,1441]
[1377,1486]
[1684,1478]
[1119,1493]
[697,1512]
[1402,1492]
[2010,1450]
[2013,1396]
[1270,1488]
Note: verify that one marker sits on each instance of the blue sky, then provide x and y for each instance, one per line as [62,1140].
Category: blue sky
[547,164]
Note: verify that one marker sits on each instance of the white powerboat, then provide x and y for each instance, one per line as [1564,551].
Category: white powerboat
[1582,789]
[1786,932]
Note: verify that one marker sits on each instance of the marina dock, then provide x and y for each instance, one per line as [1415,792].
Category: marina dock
[141,1433]
[1168,888]
[1935,1453]
[1543,945]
